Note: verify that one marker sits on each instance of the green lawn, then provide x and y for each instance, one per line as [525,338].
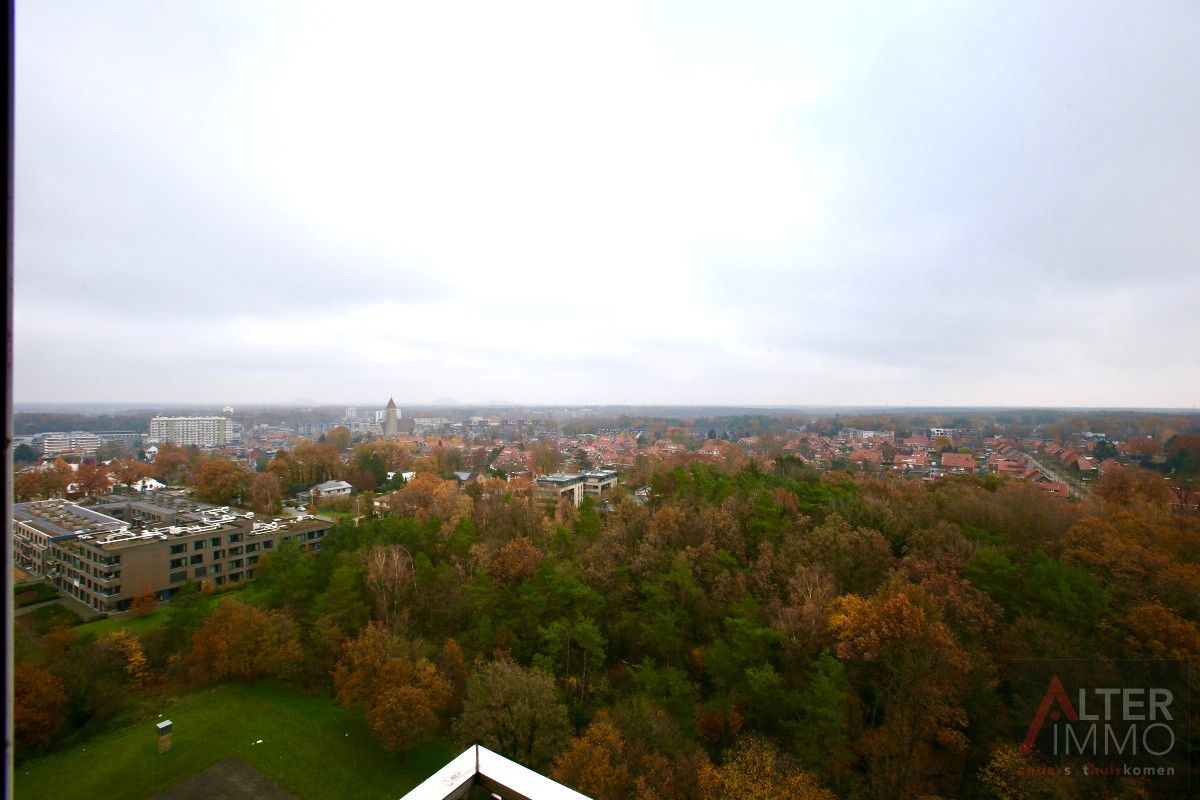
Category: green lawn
[31,593]
[158,617]
[128,622]
[311,747]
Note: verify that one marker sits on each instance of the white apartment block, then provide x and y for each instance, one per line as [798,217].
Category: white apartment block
[57,443]
[187,431]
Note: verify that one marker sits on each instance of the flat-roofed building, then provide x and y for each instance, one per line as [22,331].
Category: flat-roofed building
[129,439]
[599,482]
[561,484]
[79,442]
[188,431]
[106,555]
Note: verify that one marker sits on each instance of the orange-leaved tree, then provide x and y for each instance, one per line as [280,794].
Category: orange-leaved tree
[143,603]
[595,763]
[264,494]
[900,653]
[39,704]
[221,482]
[129,650]
[757,770]
[402,694]
[241,641]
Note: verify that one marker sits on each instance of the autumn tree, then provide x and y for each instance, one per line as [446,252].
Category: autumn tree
[905,658]
[857,558]
[390,577]
[427,496]
[453,667]
[403,711]
[310,463]
[143,603]
[1142,447]
[92,480]
[516,560]
[1154,631]
[56,478]
[39,705]
[173,464]
[128,649]
[402,695]
[595,762]
[515,711]
[1131,484]
[28,485]
[264,494]
[545,457]
[338,438]
[239,641]
[221,482]
[756,769]
[128,472]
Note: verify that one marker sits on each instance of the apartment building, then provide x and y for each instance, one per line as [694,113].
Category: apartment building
[599,482]
[576,486]
[561,484]
[106,555]
[58,443]
[188,431]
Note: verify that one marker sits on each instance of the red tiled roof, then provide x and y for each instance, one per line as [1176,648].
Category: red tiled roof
[958,461]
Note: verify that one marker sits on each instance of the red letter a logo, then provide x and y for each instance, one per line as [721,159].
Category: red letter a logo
[1053,692]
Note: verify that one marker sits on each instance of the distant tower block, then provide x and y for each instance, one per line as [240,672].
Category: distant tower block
[391,419]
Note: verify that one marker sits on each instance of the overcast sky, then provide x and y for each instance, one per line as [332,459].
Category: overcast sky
[777,203]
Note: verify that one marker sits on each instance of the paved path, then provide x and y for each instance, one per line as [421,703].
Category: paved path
[70,603]
[1073,486]
[30,609]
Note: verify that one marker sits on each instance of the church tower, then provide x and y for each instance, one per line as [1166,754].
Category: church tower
[391,420]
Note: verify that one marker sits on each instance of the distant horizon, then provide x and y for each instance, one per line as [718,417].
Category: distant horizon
[76,406]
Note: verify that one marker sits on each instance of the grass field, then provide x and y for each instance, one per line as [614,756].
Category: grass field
[311,747]
[158,617]
[32,593]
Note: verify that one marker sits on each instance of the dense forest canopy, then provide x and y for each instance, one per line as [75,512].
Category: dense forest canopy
[847,637]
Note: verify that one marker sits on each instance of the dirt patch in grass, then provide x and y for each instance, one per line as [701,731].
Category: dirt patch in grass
[231,779]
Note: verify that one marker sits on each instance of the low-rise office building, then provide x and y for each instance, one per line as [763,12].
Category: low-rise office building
[106,555]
